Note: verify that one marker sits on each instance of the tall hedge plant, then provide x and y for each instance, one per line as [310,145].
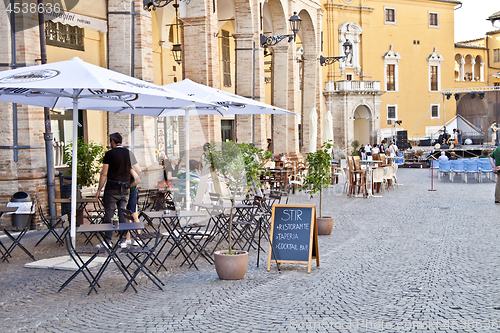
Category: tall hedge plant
[318,172]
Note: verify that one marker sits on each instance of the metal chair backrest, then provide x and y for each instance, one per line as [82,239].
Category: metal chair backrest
[457,165]
[444,166]
[471,164]
[485,165]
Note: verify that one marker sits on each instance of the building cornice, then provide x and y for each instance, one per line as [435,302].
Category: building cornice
[348,7]
[469,46]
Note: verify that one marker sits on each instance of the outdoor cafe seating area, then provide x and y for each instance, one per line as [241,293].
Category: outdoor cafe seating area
[168,231]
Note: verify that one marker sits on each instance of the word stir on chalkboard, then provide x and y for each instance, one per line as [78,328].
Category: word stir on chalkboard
[294,235]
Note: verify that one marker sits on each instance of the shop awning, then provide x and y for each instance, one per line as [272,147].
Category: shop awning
[78,20]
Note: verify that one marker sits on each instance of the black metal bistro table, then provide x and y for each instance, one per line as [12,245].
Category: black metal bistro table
[112,251]
[177,233]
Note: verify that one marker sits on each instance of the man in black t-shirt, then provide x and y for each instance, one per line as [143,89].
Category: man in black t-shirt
[116,172]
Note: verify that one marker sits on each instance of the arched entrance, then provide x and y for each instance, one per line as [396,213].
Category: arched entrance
[362,125]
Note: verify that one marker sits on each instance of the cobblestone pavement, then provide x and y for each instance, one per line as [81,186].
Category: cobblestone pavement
[411,261]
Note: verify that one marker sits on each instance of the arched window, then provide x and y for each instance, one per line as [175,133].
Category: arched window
[434,62]
[391,70]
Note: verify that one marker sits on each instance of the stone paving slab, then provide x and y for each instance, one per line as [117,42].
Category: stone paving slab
[411,261]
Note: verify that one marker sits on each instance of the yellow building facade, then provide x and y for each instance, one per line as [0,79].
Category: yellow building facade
[405,50]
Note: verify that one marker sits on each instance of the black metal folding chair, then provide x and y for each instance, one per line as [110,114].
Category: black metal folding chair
[16,234]
[80,263]
[246,224]
[60,222]
[140,255]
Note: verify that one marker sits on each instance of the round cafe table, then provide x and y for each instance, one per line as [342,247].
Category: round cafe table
[369,176]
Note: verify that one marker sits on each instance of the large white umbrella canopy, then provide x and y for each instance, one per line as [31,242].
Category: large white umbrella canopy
[313,130]
[78,85]
[329,129]
[228,104]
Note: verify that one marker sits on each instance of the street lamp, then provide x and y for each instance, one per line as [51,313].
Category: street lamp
[150,5]
[294,20]
[330,60]
[177,48]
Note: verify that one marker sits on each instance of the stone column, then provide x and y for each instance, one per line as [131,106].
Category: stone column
[310,97]
[250,83]
[473,64]
[279,83]
[462,69]
[121,46]
[200,63]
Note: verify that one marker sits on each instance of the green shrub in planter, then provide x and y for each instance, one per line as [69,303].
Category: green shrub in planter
[318,172]
[89,158]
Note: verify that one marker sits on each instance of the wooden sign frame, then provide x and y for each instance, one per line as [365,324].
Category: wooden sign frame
[313,240]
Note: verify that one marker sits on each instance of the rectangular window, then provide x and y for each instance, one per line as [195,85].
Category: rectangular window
[390,15]
[63,35]
[434,20]
[226,58]
[391,79]
[434,78]
[391,111]
[496,55]
[435,111]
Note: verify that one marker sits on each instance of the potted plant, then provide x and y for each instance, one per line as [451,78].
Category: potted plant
[318,178]
[238,165]
[89,157]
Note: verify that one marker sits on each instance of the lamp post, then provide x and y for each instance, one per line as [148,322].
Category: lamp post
[150,5]
[177,48]
[294,20]
[330,60]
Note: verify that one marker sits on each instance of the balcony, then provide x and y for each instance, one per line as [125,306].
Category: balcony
[360,87]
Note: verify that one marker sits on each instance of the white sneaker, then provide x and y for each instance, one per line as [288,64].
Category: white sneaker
[138,242]
[125,243]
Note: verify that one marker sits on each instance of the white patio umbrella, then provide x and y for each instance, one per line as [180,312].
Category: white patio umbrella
[313,130]
[78,85]
[228,104]
[329,129]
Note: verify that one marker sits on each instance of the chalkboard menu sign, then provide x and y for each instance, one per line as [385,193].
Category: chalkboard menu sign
[294,235]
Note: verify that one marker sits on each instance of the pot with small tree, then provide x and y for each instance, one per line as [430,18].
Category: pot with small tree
[318,178]
[89,158]
[238,165]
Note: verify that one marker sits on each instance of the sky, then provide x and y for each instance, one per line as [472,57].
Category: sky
[470,20]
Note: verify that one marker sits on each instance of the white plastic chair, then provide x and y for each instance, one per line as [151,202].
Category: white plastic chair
[389,175]
[378,177]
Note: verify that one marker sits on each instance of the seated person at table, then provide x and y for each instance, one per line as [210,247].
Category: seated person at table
[171,170]
[194,178]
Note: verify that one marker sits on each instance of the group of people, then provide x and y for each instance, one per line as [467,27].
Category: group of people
[171,172]
[369,150]
[448,139]
[119,177]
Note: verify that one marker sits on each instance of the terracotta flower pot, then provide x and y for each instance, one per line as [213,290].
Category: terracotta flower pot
[231,266]
[325,225]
